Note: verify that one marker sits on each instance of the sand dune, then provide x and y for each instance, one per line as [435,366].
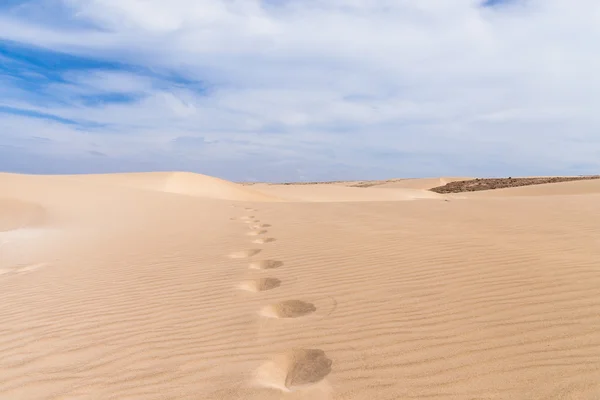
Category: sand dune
[209,187]
[193,184]
[185,183]
[153,286]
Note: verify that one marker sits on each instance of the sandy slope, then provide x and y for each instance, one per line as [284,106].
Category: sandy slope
[121,287]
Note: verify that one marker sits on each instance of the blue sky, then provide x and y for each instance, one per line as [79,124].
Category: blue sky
[303,90]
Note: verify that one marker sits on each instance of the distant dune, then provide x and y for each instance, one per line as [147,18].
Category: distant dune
[185,183]
[422,184]
[176,285]
[339,193]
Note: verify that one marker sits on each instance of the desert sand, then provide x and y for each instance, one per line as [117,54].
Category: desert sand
[184,286]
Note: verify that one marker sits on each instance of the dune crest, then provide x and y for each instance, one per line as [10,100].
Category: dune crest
[208,186]
[185,183]
[193,184]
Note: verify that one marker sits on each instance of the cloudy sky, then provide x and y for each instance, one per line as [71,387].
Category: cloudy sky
[301,89]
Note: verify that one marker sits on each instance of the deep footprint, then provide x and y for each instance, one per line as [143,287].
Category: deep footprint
[265,264]
[295,369]
[288,309]
[263,240]
[260,285]
[259,226]
[256,233]
[244,253]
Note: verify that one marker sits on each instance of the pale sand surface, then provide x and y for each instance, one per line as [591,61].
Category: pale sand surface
[152,286]
[339,193]
[426,183]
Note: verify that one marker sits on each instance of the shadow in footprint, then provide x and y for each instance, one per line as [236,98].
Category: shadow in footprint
[244,253]
[260,285]
[256,233]
[265,264]
[288,309]
[295,369]
[264,240]
[259,226]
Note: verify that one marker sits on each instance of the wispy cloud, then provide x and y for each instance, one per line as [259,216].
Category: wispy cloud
[330,88]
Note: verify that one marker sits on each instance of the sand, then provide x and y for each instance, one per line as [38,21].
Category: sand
[183,286]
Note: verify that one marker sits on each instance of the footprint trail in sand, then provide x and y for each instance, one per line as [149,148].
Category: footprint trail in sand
[296,369]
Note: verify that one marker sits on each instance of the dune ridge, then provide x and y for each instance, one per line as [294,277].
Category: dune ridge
[185,183]
[121,287]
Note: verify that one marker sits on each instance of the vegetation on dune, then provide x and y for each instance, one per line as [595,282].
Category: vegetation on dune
[478,184]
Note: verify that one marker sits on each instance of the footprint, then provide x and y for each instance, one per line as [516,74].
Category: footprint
[295,370]
[260,285]
[246,219]
[263,240]
[259,226]
[256,233]
[288,309]
[244,253]
[265,264]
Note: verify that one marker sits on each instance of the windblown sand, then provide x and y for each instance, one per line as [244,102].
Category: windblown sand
[182,286]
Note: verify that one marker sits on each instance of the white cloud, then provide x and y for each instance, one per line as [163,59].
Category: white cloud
[93,82]
[484,88]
